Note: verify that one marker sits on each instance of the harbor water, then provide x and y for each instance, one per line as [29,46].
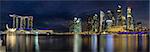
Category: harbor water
[73,43]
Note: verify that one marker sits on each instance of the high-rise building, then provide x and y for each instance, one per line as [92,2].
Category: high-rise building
[121,20]
[22,22]
[77,25]
[139,26]
[101,20]
[119,14]
[95,23]
[109,21]
[130,24]
[88,24]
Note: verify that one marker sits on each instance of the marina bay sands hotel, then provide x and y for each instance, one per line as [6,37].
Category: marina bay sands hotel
[22,22]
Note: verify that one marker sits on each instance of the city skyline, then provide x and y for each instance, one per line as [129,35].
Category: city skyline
[56,14]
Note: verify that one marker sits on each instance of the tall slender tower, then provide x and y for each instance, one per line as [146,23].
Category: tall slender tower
[24,22]
[21,22]
[121,19]
[119,14]
[101,21]
[130,19]
[14,19]
[89,24]
[16,24]
[95,23]
[30,22]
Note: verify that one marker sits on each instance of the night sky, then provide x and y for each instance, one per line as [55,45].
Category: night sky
[57,14]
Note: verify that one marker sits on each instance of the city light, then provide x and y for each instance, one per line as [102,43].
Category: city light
[74,26]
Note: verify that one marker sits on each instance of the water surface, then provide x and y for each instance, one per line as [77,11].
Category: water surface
[84,43]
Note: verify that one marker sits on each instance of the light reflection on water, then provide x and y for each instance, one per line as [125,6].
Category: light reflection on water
[94,43]
[109,43]
[84,43]
[77,43]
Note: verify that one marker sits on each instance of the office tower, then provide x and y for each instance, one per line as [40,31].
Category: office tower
[130,24]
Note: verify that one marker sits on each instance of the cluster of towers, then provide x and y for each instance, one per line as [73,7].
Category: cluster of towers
[109,21]
[22,22]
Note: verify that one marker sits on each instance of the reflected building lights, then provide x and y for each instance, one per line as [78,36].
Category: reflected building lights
[102,43]
[77,43]
[109,43]
[36,42]
[94,43]
[11,41]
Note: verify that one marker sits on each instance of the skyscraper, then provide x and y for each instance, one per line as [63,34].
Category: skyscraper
[130,24]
